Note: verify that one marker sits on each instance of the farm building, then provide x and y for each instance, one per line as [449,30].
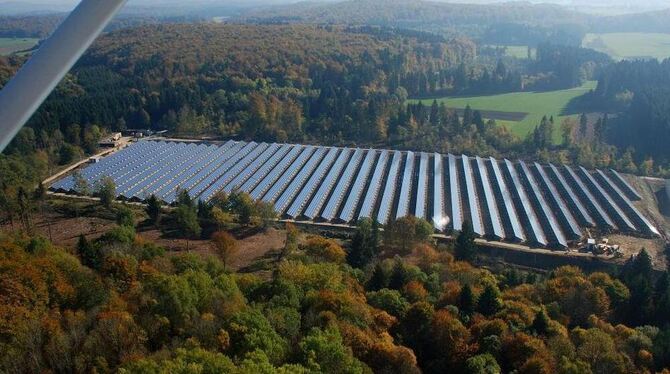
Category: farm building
[541,205]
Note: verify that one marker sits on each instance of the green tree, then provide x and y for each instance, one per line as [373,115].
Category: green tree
[482,364]
[154,210]
[379,278]
[89,253]
[365,243]
[540,324]
[467,301]
[81,184]
[125,216]
[465,247]
[325,352]
[399,276]
[490,301]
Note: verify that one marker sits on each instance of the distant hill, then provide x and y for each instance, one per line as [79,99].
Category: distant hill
[419,14]
[655,21]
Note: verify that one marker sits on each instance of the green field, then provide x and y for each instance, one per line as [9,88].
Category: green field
[11,45]
[630,45]
[536,104]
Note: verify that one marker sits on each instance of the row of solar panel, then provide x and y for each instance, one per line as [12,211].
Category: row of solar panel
[546,206]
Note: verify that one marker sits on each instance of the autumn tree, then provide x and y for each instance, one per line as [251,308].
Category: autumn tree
[226,246]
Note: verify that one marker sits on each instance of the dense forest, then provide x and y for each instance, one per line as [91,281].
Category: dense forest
[471,20]
[384,302]
[639,90]
[322,84]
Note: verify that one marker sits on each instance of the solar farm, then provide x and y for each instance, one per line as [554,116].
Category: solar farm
[547,206]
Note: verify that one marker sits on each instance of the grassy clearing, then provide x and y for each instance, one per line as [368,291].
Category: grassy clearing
[630,45]
[536,104]
[11,45]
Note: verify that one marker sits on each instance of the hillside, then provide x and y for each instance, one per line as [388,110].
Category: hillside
[463,19]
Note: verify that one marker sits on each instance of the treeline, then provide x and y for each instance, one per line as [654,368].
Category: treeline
[639,91]
[270,82]
[525,34]
[560,67]
[389,301]
[471,20]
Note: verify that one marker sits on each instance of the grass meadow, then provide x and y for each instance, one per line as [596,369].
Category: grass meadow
[630,45]
[534,104]
[11,45]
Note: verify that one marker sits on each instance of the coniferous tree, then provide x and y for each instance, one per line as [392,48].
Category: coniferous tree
[154,210]
[399,276]
[379,278]
[540,323]
[489,301]
[465,247]
[467,300]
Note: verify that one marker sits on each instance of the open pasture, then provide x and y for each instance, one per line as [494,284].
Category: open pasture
[11,45]
[508,109]
[630,45]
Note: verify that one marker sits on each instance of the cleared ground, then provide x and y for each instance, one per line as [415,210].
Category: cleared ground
[535,104]
[11,45]
[630,45]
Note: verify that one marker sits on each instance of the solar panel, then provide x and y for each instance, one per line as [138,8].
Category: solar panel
[596,209]
[422,187]
[169,167]
[526,206]
[613,209]
[521,202]
[270,179]
[490,200]
[147,168]
[456,208]
[190,166]
[440,219]
[106,164]
[132,167]
[330,211]
[473,199]
[251,169]
[628,206]
[256,177]
[233,171]
[546,215]
[204,184]
[347,214]
[389,191]
[169,193]
[506,198]
[568,221]
[145,176]
[625,186]
[569,195]
[307,191]
[406,187]
[375,186]
[327,185]
[290,173]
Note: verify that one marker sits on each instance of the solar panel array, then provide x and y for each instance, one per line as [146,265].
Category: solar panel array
[547,206]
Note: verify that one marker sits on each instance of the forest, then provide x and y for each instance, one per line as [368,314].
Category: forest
[331,85]
[384,302]
[639,89]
